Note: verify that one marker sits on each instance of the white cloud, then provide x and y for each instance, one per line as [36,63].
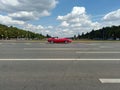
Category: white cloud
[78,11]
[18,12]
[27,9]
[33,28]
[9,21]
[19,16]
[10,2]
[78,22]
[64,24]
[114,15]
[74,14]
[112,18]
[39,29]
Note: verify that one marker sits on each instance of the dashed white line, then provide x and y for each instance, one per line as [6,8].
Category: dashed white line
[50,48]
[61,49]
[58,59]
[27,43]
[13,43]
[95,52]
[105,47]
[110,80]
[42,43]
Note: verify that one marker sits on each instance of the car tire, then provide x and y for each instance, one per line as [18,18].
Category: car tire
[66,42]
[51,42]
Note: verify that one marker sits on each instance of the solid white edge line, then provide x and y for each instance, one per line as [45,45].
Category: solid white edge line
[58,59]
[61,49]
[110,80]
[99,52]
[49,49]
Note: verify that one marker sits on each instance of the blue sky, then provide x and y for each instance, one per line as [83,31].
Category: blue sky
[61,18]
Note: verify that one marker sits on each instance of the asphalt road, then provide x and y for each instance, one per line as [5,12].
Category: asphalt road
[75,66]
[74,50]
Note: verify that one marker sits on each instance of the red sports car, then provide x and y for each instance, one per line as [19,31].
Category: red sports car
[59,40]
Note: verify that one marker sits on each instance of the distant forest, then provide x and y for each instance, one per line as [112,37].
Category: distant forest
[15,33]
[106,33]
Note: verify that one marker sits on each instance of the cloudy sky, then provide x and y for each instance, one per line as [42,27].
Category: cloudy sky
[61,18]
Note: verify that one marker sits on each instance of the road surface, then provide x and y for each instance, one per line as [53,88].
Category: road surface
[75,66]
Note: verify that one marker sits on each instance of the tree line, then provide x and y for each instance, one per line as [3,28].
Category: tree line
[15,33]
[106,33]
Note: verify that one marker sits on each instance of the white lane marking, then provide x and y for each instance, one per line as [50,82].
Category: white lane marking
[109,52]
[110,80]
[59,48]
[92,44]
[27,43]
[13,43]
[58,59]
[105,47]
[50,48]
[42,43]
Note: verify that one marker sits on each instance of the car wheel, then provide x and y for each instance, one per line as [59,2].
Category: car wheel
[66,42]
[51,42]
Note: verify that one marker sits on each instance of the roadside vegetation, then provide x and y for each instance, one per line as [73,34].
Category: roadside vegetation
[106,33]
[7,33]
